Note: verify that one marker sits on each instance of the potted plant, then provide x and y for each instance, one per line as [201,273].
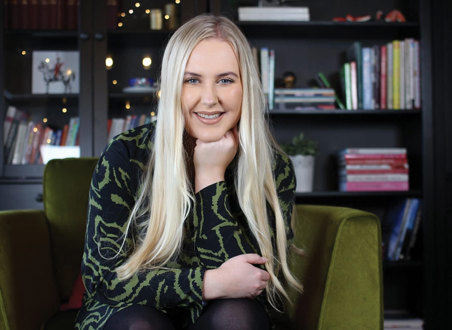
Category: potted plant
[302,151]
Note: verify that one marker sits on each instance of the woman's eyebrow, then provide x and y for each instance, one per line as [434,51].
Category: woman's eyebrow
[192,74]
[230,73]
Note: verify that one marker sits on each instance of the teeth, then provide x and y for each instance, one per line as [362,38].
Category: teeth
[209,116]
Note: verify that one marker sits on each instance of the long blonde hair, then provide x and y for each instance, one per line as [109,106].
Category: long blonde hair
[166,193]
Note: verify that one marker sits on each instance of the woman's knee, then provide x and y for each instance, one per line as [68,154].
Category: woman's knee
[234,314]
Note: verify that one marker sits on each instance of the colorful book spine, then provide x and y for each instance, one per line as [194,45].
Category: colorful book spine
[383,76]
[396,75]
[390,76]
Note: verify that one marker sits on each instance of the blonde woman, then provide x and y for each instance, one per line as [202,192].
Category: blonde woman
[189,218]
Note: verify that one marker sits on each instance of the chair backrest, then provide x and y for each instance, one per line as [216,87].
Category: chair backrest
[65,190]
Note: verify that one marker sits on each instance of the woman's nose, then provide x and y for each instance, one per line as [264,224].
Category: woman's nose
[209,96]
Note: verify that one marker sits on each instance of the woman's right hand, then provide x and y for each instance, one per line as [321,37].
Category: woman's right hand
[236,278]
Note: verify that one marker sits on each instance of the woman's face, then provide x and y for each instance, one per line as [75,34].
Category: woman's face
[211,91]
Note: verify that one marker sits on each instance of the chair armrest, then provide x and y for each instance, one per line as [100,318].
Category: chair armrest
[28,294]
[341,268]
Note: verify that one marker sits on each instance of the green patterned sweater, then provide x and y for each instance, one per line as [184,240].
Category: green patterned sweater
[215,231]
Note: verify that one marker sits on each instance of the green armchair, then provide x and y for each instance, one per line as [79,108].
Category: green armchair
[40,255]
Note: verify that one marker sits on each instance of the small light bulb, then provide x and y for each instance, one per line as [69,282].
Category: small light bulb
[152,114]
[114,82]
[148,11]
[35,130]
[120,24]
[24,52]
[109,62]
[44,120]
[64,110]
[167,17]
[159,93]
[123,14]
[48,141]
[68,72]
[127,105]
[147,61]
[177,1]
[47,60]
[130,11]
[137,4]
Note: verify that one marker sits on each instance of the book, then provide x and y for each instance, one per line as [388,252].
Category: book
[389,75]
[346,83]
[324,82]
[383,77]
[264,61]
[367,79]
[354,53]
[354,85]
[374,186]
[271,79]
[402,69]
[373,151]
[396,75]
[392,223]
[376,76]
[273,13]
[408,223]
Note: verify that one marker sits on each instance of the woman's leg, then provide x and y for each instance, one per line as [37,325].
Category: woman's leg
[233,314]
[139,318]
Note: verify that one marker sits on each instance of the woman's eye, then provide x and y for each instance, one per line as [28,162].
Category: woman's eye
[191,81]
[225,81]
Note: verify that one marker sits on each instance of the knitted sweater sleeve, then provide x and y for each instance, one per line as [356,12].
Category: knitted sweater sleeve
[223,233]
[111,199]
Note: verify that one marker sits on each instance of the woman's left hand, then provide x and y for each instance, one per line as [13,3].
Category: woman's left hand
[211,159]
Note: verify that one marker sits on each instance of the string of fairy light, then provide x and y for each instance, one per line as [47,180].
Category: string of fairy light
[146,60]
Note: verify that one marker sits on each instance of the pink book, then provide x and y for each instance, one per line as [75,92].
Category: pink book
[383,76]
[375,186]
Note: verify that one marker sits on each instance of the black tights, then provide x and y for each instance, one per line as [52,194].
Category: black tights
[224,314]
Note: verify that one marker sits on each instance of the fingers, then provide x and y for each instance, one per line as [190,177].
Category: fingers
[254,259]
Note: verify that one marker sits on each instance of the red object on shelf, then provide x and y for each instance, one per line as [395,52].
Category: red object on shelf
[395,16]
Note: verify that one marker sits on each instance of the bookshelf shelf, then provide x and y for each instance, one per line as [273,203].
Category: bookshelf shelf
[339,112]
[23,171]
[403,264]
[330,29]
[374,194]
[42,34]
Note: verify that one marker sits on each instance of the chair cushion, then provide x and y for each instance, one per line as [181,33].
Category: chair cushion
[65,187]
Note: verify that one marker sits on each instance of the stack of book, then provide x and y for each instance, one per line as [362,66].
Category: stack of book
[382,76]
[373,169]
[402,320]
[274,14]
[304,99]
[23,138]
[400,227]
[116,126]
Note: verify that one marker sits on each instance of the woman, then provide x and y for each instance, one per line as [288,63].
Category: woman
[189,217]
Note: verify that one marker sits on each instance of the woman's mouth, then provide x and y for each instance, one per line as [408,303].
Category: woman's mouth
[209,118]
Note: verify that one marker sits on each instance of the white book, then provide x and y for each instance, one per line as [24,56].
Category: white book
[373,151]
[10,114]
[28,143]
[271,79]
[375,177]
[19,145]
[273,10]
[417,76]
[409,83]
[264,52]
[274,17]
[354,84]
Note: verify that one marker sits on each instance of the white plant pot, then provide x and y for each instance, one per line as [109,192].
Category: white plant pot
[304,172]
